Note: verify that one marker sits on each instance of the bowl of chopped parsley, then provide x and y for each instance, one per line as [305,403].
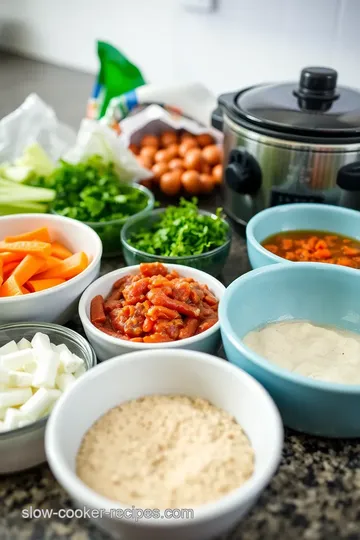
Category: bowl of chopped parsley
[180,234]
[92,192]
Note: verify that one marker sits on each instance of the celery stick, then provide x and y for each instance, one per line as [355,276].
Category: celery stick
[12,192]
[36,159]
[22,207]
[18,173]
[7,196]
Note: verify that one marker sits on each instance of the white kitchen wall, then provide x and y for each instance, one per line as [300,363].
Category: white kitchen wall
[243,42]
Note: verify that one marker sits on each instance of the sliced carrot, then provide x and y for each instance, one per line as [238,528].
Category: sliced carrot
[1,272]
[322,254]
[27,268]
[24,290]
[10,288]
[8,269]
[344,261]
[68,268]
[48,263]
[350,252]
[36,285]
[40,249]
[41,235]
[8,257]
[60,251]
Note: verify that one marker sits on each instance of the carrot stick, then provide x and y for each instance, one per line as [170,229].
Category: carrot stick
[8,269]
[68,268]
[48,263]
[27,268]
[10,288]
[1,272]
[60,251]
[36,285]
[8,257]
[41,235]
[41,249]
[24,290]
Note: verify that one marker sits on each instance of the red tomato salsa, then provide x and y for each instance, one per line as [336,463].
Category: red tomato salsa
[315,246]
[155,306]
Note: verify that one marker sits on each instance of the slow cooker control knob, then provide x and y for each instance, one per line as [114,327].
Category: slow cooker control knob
[243,174]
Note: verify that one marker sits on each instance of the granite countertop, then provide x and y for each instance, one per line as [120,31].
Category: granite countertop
[316,491]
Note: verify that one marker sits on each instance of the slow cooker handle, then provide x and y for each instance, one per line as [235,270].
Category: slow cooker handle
[243,173]
[217,120]
[348,179]
[226,102]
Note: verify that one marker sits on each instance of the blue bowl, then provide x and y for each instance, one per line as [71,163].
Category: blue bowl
[290,217]
[322,294]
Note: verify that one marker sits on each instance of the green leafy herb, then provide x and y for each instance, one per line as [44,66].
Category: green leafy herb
[92,192]
[182,231]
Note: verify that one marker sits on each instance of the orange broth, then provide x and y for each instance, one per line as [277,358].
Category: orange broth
[315,246]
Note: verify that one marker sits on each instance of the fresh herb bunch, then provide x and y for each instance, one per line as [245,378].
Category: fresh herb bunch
[182,231]
[92,192]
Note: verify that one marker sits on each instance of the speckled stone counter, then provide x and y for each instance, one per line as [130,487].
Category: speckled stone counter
[316,491]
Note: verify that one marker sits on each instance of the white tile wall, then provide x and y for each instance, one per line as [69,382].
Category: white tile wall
[347,52]
[242,43]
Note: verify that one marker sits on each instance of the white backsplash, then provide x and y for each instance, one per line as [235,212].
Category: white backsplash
[242,43]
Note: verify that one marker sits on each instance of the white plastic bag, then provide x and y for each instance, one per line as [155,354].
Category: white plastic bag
[95,138]
[33,122]
[155,120]
[192,100]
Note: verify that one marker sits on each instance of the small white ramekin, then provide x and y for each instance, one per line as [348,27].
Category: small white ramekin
[107,346]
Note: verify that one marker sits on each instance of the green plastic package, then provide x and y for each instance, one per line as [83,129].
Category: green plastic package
[117,76]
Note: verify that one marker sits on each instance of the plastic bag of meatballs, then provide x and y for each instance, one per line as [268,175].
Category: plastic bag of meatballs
[184,157]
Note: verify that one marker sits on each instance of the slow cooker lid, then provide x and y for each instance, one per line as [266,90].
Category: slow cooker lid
[314,106]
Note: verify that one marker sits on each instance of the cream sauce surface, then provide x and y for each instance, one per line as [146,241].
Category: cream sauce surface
[319,352]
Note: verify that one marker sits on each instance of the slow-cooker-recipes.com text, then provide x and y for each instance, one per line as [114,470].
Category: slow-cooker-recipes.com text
[118,513]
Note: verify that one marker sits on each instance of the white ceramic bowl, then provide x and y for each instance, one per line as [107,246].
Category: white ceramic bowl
[107,346]
[59,304]
[172,371]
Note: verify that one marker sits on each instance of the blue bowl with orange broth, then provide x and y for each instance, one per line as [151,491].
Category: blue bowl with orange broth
[320,293]
[296,217]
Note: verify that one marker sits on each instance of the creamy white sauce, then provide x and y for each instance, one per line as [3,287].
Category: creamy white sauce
[319,352]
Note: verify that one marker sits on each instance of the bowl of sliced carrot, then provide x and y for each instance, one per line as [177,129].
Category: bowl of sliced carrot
[46,262]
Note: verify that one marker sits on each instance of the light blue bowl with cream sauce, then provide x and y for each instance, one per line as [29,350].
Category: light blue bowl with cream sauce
[322,294]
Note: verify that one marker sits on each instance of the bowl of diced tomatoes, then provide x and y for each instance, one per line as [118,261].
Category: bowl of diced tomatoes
[152,305]
[46,262]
